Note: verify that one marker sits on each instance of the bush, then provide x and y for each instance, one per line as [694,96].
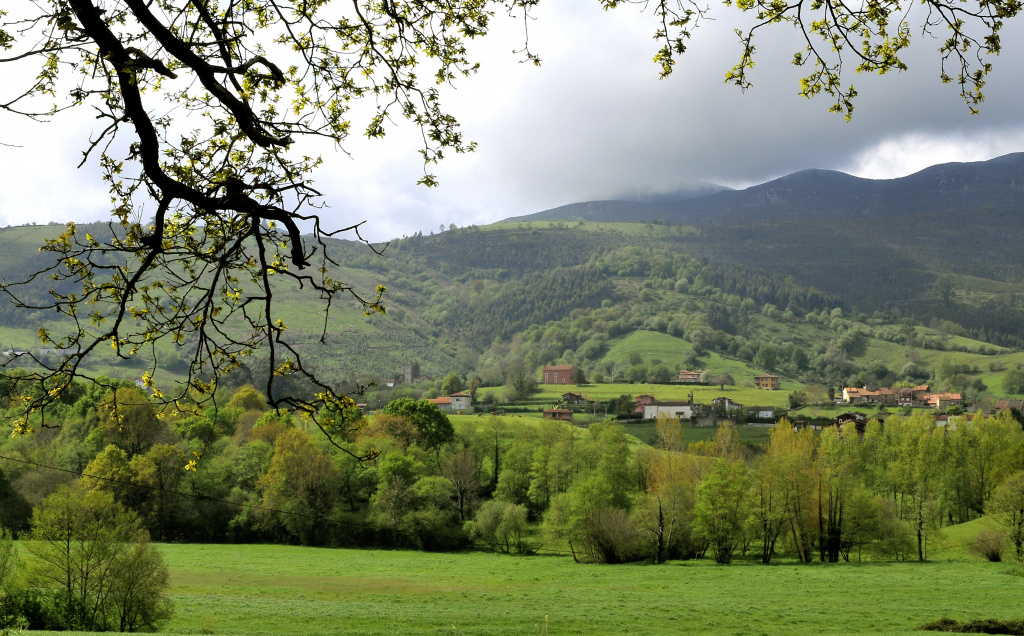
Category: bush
[500,525]
[1013,382]
[988,544]
[980,626]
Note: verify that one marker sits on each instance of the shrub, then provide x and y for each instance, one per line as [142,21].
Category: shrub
[988,544]
[500,525]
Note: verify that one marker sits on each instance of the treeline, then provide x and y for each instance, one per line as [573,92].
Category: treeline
[504,253]
[768,287]
[533,300]
[407,478]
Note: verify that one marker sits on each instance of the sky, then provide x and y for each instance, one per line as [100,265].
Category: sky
[594,122]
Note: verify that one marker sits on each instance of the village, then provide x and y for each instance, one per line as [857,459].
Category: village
[575,406]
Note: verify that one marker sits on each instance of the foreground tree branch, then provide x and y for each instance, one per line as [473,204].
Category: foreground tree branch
[202,106]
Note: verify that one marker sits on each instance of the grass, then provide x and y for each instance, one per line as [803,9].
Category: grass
[670,392]
[293,590]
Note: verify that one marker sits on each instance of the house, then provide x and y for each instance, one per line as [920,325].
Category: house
[461,401]
[943,401]
[577,399]
[641,402]
[689,377]
[682,410]
[852,395]
[761,412]
[1003,405]
[564,415]
[558,374]
[444,402]
[767,381]
[948,421]
[859,420]
[726,404]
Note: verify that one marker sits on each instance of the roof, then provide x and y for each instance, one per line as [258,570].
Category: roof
[441,400]
[557,411]
[766,375]
[670,404]
[460,394]
[563,367]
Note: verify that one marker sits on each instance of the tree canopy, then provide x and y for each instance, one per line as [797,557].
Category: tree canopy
[205,116]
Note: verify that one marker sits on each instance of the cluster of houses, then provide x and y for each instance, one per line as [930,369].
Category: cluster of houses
[919,396]
[650,408]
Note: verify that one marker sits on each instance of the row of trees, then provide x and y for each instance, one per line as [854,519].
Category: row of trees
[263,475]
[813,497]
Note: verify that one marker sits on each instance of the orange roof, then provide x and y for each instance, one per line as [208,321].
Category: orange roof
[460,394]
[564,367]
[441,400]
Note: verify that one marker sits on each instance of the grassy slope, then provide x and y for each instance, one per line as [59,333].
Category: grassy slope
[292,590]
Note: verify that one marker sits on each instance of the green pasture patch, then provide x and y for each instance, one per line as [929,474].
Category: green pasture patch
[294,590]
[702,394]
[651,345]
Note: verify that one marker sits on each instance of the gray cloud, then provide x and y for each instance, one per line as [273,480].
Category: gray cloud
[595,122]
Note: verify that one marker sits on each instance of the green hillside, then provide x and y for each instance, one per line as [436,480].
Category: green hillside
[627,304]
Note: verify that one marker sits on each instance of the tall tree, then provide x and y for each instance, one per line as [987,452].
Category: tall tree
[302,481]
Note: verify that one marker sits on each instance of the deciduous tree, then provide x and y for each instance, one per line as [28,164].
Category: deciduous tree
[94,557]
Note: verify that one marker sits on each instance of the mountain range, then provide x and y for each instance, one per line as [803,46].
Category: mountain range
[995,184]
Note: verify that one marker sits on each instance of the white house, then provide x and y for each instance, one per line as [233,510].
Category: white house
[682,410]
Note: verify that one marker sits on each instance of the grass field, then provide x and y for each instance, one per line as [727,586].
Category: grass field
[669,392]
[293,590]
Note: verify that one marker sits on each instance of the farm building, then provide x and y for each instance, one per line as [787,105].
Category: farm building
[558,374]
[564,415]
[682,410]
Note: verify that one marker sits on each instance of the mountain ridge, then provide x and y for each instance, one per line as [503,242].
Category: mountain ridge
[819,193]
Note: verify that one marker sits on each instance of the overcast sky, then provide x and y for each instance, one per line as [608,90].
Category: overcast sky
[595,122]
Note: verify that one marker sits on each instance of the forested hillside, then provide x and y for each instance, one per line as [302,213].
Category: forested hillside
[825,298]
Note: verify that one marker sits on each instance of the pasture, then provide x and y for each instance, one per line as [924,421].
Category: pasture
[223,589]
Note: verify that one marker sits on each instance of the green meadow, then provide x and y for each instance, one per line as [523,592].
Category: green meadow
[223,589]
